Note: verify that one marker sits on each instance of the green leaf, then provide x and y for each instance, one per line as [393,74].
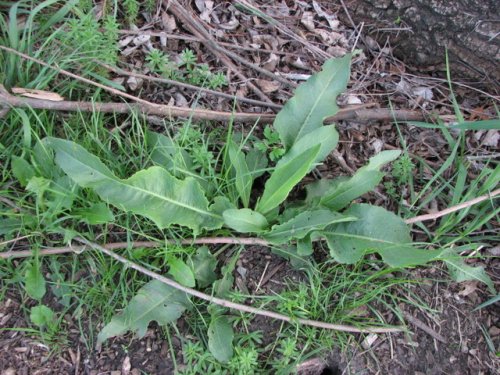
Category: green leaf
[313,101]
[304,246]
[166,153]
[257,163]
[343,191]
[460,271]
[284,178]
[326,136]
[22,170]
[152,193]
[9,225]
[220,338]
[181,272]
[376,230]
[204,265]
[97,213]
[34,283]
[154,301]
[304,223]
[42,316]
[245,220]
[244,178]
[478,125]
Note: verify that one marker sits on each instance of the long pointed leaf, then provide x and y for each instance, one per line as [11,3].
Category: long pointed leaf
[343,190]
[304,223]
[313,101]
[284,178]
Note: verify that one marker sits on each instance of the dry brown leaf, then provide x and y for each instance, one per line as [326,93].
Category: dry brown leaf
[271,63]
[308,21]
[168,22]
[38,94]
[268,86]
[491,138]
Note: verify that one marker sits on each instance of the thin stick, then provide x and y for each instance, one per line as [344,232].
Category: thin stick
[233,305]
[354,113]
[226,240]
[138,244]
[147,108]
[452,209]
[190,87]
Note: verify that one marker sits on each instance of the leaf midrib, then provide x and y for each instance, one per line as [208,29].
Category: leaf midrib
[120,181]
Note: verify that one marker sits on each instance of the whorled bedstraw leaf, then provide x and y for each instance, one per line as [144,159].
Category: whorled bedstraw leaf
[153,192]
[220,338]
[284,178]
[338,193]
[304,223]
[376,230]
[155,301]
[313,101]
[245,220]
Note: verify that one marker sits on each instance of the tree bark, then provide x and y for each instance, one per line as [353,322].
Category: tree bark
[421,30]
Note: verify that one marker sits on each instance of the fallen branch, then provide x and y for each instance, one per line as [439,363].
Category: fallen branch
[355,113]
[233,305]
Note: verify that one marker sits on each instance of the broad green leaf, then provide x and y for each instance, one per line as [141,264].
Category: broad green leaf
[284,178]
[343,191]
[460,271]
[204,265]
[97,213]
[154,301]
[313,101]
[34,283]
[43,160]
[9,225]
[304,246]
[220,338]
[223,286]
[61,194]
[245,220]
[243,179]
[22,170]
[153,192]
[304,223]
[326,136]
[376,230]
[166,153]
[42,316]
[181,272]
[257,163]
[220,205]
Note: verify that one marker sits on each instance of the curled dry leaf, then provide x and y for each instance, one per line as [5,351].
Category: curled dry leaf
[330,18]
[308,21]
[38,94]
[271,63]
[168,22]
[268,86]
